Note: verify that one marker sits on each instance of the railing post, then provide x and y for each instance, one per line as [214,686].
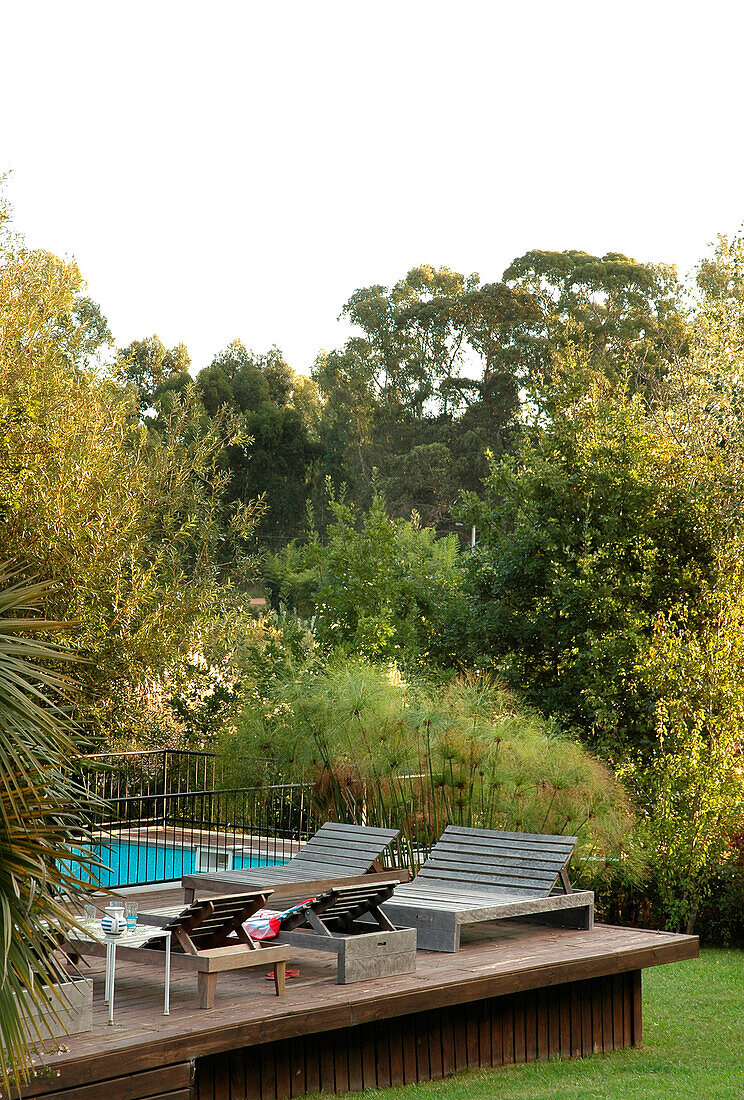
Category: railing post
[165,786]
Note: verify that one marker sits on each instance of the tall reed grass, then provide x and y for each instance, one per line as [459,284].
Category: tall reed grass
[417,755]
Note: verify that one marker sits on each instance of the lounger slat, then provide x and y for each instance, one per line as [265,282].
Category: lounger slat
[334,857]
[441,857]
[333,861]
[506,841]
[497,851]
[335,840]
[373,831]
[481,882]
[444,869]
[525,839]
[483,874]
[357,834]
[479,885]
[500,854]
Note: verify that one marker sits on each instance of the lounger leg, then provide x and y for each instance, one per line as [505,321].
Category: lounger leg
[280,974]
[188,895]
[438,939]
[207,985]
[581,917]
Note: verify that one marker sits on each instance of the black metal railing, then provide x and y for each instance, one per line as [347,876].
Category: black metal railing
[165,813]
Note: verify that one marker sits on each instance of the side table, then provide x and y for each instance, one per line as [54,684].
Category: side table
[96,943]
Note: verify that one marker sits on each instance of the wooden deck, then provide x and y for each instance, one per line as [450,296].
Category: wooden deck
[514,992]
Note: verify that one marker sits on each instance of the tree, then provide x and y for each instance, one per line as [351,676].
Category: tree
[598,527]
[151,369]
[125,519]
[410,341]
[623,314]
[434,366]
[276,458]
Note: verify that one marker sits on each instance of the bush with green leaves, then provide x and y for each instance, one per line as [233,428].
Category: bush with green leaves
[601,525]
[690,790]
[379,587]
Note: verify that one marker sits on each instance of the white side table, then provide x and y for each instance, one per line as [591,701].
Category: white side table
[138,938]
[96,940]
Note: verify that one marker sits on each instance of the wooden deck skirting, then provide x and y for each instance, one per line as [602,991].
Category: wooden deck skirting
[568,1021]
[514,992]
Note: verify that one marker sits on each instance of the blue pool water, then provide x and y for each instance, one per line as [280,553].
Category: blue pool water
[126,863]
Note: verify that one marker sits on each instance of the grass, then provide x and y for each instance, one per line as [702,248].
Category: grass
[693,1046]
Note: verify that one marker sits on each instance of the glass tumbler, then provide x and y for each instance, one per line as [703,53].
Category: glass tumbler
[132,909]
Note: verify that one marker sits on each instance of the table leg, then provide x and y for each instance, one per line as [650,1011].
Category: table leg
[166,1010]
[112,982]
[108,972]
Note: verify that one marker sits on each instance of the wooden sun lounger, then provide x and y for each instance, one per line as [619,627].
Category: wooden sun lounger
[201,935]
[348,921]
[337,854]
[475,875]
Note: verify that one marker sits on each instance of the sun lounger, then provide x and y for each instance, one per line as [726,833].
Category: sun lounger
[203,940]
[348,921]
[337,854]
[475,875]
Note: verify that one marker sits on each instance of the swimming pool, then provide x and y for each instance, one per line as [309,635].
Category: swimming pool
[131,863]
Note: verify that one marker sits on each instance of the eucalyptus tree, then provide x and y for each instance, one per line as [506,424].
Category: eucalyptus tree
[150,369]
[624,314]
[277,410]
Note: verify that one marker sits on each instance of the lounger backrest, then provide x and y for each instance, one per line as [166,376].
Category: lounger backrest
[342,904]
[343,850]
[208,923]
[523,864]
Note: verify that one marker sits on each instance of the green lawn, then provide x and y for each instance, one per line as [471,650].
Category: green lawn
[693,1017]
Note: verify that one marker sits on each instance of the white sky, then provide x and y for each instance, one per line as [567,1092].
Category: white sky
[230,170]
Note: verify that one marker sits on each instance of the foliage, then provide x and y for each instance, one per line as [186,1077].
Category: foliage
[127,521]
[440,360]
[597,528]
[690,792]
[41,809]
[278,413]
[292,580]
[151,370]
[627,317]
[403,396]
[379,587]
[420,754]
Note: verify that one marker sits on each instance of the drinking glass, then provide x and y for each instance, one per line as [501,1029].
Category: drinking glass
[132,909]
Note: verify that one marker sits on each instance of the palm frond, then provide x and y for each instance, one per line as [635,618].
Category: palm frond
[44,811]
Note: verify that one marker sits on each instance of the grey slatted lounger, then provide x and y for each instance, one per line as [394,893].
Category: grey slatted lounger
[337,854]
[475,875]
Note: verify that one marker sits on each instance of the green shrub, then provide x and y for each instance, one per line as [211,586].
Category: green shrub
[379,587]
[690,790]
